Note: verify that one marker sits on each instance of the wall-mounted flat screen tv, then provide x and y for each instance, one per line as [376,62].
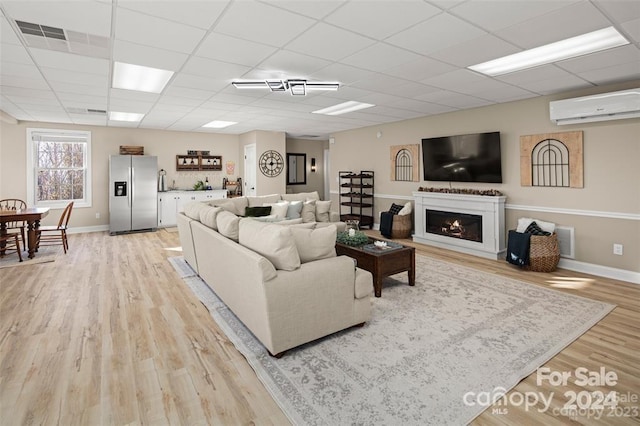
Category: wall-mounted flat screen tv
[463,158]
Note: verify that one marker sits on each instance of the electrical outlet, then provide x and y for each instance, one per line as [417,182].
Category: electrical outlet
[97,215]
[618,249]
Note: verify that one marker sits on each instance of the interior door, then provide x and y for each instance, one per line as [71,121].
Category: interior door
[250,166]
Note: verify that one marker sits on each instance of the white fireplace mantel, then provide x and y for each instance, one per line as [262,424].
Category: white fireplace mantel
[491,208]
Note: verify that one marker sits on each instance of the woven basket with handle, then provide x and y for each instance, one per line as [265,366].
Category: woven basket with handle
[544,253]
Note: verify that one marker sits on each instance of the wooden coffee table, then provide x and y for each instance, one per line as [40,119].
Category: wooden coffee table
[382,263]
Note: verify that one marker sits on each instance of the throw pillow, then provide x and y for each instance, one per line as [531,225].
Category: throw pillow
[308,212]
[315,244]
[279,209]
[271,241]
[192,209]
[395,208]
[228,225]
[257,211]
[322,210]
[261,200]
[407,209]
[208,217]
[534,229]
[294,210]
[524,222]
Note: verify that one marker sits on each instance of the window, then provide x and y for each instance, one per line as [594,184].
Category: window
[58,167]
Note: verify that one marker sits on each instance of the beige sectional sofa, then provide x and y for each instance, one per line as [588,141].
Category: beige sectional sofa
[282,280]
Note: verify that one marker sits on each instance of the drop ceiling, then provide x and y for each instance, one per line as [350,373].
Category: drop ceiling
[409,58]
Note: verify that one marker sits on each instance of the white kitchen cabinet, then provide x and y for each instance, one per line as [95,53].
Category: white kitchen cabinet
[172,202]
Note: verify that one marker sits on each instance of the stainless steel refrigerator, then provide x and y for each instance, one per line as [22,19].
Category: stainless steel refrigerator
[133,193]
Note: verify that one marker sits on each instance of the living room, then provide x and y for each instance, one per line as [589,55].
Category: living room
[120,273]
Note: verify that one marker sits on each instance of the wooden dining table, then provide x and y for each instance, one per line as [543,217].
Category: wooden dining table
[32,216]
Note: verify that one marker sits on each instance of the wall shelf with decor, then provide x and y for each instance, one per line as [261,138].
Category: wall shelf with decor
[198,162]
[356,196]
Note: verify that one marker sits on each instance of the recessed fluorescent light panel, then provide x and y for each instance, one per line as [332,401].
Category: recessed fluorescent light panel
[124,116]
[584,44]
[137,77]
[343,108]
[218,124]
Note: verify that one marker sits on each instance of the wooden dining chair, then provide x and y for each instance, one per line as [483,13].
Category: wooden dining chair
[10,243]
[56,235]
[18,225]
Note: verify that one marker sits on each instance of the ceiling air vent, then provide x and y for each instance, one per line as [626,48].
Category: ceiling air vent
[41,30]
[61,40]
[74,110]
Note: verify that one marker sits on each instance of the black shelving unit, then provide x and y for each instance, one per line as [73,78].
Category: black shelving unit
[356,196]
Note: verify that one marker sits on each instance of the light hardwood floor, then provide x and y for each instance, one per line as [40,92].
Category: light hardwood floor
[109,334]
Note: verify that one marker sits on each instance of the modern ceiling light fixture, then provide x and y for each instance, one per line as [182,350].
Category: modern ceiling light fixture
[137,77]
[343,108]
[584,44]
[297,87]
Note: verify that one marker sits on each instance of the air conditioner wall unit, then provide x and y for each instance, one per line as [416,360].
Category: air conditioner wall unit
[602,107]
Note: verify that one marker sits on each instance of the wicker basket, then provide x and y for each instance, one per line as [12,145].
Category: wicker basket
[544,253]
[401,227]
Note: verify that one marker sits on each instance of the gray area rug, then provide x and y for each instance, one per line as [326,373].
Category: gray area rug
[44,255]
[458,330]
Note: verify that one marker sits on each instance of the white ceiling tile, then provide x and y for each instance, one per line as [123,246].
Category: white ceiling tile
[199,82]
[420,69]
[478,50]
[20,70]
[70,62]
[185,92]
[14,53]
[380,56]
[180,100]
[151,31]
[287,64]
[76,77]
[613,74]
[86,101]
[411,90]
[63,87]
[329,42]
[493,15]
[557,25]
[234,50]
[632,28]
[344,74]
[201,14]
[88,119]
[82,16]
[17,81]
[451,80]
[214,69]
[311,8]
[427,37]
[246,20]
[554,85]
[545,72]
[379,82]
[7,34]
[28,92]
[622,10]
[147,56]
[604,59]
[379,19]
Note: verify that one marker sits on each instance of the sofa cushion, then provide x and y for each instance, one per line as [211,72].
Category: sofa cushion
[308,212]
[271,241]
[301,196]
[235,205]
[263,199]
[228,225]
[322,210]
[257,211]
[315,244]
[279,209]
[295,209]
[209,215]
[192,209]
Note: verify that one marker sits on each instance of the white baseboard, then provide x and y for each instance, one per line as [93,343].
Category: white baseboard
[599,270]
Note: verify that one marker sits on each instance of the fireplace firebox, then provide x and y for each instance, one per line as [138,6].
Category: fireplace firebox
[453,224]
